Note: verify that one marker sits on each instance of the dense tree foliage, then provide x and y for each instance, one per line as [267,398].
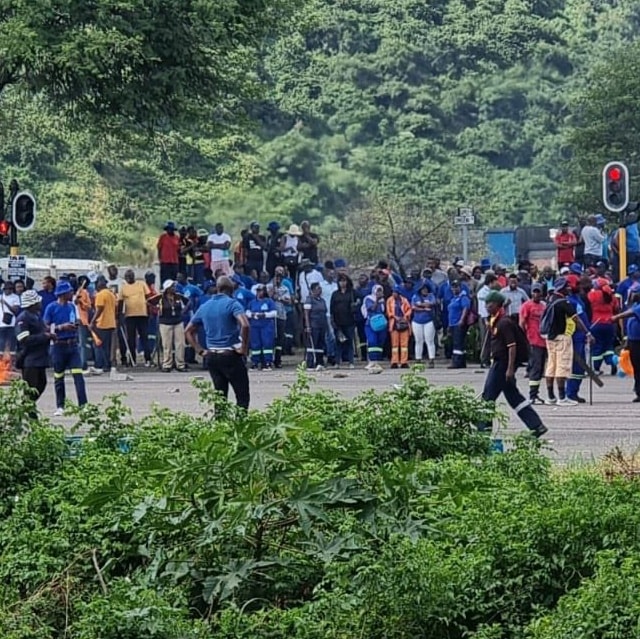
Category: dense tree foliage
[452,103]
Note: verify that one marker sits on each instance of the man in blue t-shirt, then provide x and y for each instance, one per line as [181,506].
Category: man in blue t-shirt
[61,320]
[226,331]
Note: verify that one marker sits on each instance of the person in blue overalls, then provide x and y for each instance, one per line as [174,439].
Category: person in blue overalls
[376,325]
[262,320]
[577,297]
[61,319]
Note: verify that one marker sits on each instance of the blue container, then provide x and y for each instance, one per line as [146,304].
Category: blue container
[497,446]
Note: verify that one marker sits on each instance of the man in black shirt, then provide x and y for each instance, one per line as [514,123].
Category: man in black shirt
[501,377]
[308,243]
[254,245]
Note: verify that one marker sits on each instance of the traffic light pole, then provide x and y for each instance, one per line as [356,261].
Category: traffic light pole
[14,247]
[622,247]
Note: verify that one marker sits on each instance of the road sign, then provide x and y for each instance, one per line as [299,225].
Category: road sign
[465,217]
[17,267]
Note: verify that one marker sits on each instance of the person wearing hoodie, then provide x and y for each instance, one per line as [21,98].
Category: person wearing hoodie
[376,324]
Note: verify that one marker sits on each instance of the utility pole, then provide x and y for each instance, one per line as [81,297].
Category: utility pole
[465,218]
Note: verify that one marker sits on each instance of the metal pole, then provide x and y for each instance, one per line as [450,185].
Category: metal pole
[622,248]
[465,243]
[14,248]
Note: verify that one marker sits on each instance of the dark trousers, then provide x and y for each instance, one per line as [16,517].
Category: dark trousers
[634,352]
[316,342]
[458,346]
[168,272]
[577,372]
[103,353]
[495,384]
[280,340]
[535,369]
[66,356]
[344,350]
[229,369]
[138,326]
[362,338]
[36,379]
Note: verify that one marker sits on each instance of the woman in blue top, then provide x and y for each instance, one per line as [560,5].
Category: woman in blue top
[633,336]
[424,331]
[457,310]
[373,309]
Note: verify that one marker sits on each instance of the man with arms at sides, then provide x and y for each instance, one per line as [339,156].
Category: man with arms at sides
[226,329]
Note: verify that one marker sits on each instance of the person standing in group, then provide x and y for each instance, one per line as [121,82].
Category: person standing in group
[9,309]
[593,239]
[82,300]
[316,325]
[33,341]
[515,295]
[566,242]
[501,378]
[219,244]
[281,294]
[133,301]
[399,316]
[530,315]
[61,319]
[423,327]
[490,282]
[604,305]
[562,324]
[255,245]
[262,320]
[170,310]
[376,324]
[457,310]
[578,298]
[169,252]
[226,330]
[343,302]
[632,330]
[289,250]
[104,323]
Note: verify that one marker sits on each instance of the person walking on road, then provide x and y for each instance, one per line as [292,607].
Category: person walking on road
[501,378]
[226,329]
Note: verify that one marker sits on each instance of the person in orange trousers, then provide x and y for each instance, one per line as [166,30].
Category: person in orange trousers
[399,315]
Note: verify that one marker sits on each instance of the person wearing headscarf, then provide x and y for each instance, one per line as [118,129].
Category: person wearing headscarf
[501,378]
[373,310]
[399,316]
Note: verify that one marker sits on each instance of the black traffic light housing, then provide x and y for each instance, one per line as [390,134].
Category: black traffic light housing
[23,211]
[615,187]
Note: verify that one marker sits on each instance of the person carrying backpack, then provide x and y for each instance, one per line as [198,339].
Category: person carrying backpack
[505,335]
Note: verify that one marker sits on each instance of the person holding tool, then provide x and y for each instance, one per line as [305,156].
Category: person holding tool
[61,320]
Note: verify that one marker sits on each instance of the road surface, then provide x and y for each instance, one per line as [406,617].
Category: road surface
[580,433]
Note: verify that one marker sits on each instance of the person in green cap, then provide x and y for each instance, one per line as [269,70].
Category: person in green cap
[501,377]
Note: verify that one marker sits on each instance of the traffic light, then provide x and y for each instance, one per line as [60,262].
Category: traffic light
[23,211]
[615,187]
[5,232]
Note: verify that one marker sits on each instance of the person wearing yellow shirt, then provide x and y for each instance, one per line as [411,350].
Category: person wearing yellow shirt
[132,302]
[104,322]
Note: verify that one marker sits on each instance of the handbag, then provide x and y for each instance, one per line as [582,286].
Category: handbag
[378,322]
[7,317]
[401,325]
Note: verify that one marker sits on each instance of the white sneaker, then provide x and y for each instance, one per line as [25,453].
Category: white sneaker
[567,402]
[58,412]
[319,367]
[550,401]
[369,366]
[147,364]
[351,367]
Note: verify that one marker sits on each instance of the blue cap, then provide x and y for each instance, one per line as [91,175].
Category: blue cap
[273,226]
[560,284]
[485,262]
[63,288]
[340,263]
[170,226]
[576,268]
[600,219]
[632,269]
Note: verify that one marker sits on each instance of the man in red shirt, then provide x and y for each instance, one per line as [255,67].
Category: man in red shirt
[565,242]
[530,315]
[169,252]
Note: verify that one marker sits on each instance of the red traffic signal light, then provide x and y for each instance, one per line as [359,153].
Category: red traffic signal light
[615,187]
[5,227]
[615,173]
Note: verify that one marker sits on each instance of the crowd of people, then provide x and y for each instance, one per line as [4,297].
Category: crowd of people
[290,299]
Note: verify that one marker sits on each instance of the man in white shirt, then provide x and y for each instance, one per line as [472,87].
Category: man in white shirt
[329,286]
[219,244]
[308,275]
[489,281]
[515,296]
[593,240]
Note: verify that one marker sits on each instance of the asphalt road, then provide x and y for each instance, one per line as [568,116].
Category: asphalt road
[579,433]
